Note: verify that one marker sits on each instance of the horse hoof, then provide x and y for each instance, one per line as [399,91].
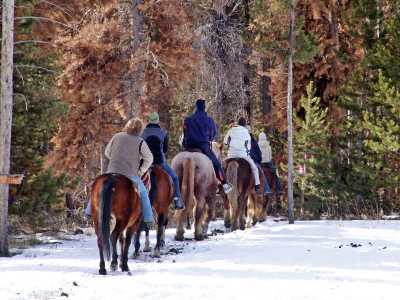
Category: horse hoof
[147,249]
[124,268]
[113,267]
[156,253]
[135,255]
[102,272]
[179,237]
[199,237]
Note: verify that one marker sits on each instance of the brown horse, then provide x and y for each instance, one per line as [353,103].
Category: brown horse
[273,204]
[114,198]
[243,199]
[198,185]
[161,193]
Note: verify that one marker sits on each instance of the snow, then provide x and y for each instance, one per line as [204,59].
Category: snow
[273,260]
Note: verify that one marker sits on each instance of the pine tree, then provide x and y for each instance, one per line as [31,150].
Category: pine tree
[312,165]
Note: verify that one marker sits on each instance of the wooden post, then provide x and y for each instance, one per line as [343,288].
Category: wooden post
[6,101]
[292,39]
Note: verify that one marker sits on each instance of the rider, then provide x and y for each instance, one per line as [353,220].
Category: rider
[266,153]
[125,150]
[239,144]
[199,131]
[256,156]
[157,140]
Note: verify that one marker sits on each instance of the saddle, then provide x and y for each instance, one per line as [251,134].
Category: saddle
[150,182]
[193,150]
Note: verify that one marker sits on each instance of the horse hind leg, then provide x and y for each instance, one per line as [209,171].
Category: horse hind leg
[116,233]
[241,213]
[251,211]
[125,249]
[102,264]
[181,215]
[137,242]
[188,226]
[198,226]
[160,228]
[147,247]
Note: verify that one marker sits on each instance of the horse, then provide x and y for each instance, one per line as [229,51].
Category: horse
[243,200]
[198,185]
[269,207]
[161,193]
[114,198]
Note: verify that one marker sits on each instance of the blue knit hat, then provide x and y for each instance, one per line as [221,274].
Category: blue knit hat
[201,104]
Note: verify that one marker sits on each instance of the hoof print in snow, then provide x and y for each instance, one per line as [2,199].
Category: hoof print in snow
[63,294]
[355,245]
[174,261]
[74,283]
[340,246]
[175,250]
[215,232]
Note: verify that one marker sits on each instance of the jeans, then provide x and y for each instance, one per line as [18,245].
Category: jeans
[267,188]
[270,165]
[175,178]
[147,211]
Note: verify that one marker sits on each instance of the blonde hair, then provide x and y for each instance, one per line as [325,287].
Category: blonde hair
[134,126]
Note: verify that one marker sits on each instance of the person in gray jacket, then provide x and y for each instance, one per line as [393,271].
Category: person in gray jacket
[125,151]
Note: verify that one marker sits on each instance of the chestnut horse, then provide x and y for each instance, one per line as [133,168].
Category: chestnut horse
[198,185]
[243,199]
[114,198]
[270,208]
[161,193]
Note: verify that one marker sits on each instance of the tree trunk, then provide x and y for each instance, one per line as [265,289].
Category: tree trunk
[265,91]
[290,112]
[6,101]
[133,82]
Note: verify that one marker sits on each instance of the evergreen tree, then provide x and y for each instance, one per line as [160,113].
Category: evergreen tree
[312,156]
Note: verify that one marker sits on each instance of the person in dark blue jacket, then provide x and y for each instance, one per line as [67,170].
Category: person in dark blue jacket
[256,155]
[199,130]
[157,140]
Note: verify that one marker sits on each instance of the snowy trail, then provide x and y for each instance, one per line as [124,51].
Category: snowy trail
[308,260]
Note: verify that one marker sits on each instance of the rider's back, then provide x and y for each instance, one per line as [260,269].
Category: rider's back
[199,129]
[238,138]
[155,138]
[124,154]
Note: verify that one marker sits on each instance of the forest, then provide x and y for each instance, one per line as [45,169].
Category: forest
[82,68]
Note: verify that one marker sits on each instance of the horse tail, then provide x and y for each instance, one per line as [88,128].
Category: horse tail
[188,180]
[232,178]
[104,215]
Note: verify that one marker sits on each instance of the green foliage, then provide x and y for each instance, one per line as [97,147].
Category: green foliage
[42,194]
[36,112]
[312,158]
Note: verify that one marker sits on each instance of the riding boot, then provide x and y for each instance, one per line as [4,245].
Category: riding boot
[178,203]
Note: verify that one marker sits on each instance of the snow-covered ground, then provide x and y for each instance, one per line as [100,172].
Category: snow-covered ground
[309,260]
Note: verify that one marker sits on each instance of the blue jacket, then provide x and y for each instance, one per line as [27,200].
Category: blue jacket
[198,129]
[255,151]
[157,140]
